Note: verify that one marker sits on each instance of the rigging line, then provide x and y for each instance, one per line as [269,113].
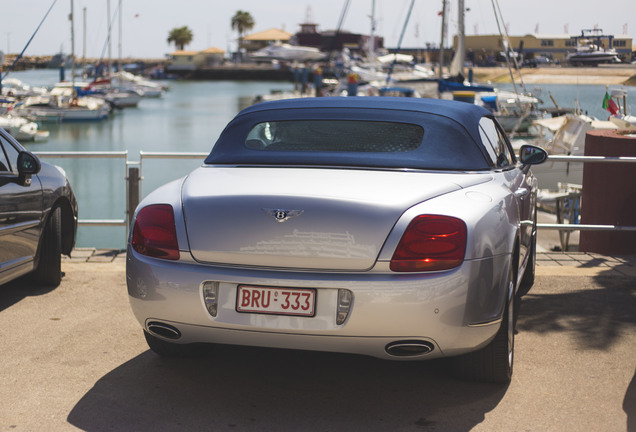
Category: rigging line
[514,58]
[27,44]
[108,38]
[506,47]
[343,14]
[397,50]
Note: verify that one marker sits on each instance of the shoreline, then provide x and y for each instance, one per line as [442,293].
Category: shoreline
[601,75]
[609,74]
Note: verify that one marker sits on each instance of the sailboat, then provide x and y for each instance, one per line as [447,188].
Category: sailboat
[394,68]
[456,81]
[62,104]
[514,111]
[63,107]
[107,88]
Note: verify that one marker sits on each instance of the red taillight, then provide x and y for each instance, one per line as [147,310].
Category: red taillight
[155,233]
[430,243]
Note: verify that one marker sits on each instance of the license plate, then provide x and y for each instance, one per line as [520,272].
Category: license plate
[276,301]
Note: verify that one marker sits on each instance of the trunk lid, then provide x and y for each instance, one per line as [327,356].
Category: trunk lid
[334,219]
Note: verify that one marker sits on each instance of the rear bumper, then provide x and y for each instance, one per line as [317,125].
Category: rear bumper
[454,311]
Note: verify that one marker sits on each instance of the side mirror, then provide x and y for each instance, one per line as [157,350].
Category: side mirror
[532,155]
[28,165]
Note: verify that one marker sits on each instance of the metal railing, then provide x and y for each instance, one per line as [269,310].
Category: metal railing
[574,200]
[94,155]
[588,159]
[166,155]
[133,175]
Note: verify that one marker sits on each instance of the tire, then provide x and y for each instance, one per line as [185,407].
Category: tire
[493,363]
[49,269]
[164,348]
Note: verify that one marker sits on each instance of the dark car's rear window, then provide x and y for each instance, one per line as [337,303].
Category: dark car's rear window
[334,136]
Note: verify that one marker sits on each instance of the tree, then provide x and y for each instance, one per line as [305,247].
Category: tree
[242,22]
[181,36]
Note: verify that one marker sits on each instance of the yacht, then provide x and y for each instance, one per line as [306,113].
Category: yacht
[590,50]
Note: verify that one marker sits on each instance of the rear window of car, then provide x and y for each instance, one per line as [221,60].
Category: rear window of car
[351,137]
[335,136]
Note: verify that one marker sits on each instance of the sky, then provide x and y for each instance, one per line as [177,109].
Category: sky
[145,24]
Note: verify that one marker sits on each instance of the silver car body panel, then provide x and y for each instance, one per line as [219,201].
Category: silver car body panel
[230,221]
[440,307]
[457,310]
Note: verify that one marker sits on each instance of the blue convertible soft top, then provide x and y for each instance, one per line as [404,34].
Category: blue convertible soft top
[325,131]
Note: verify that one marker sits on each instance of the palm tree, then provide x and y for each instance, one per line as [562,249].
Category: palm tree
[242,21]
[181,36]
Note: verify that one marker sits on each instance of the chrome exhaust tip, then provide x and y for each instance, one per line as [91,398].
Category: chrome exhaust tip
[164,330]
[409,348]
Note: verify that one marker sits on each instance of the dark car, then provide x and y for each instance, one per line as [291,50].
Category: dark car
[38,215]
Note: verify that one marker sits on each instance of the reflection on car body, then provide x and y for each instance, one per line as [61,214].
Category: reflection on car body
[398,228]
[38,215]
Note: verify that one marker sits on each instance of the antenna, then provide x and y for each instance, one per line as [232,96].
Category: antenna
[309,15]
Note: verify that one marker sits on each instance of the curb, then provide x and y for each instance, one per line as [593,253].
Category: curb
[548,263]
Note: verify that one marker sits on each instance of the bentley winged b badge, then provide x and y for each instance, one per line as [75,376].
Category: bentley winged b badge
[282,215]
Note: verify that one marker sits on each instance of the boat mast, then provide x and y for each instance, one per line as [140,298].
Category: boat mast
[461,38]
[72,52]
[441,45]
[84,46]
[456,68]
[397,50]
[109,51]
[371,53]
[119,41]
[506,42]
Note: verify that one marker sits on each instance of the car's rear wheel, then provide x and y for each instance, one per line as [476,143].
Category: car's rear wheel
[49,269]
[165,348]
[494,362]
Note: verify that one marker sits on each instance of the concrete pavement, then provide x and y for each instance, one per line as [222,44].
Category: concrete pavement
[74,358]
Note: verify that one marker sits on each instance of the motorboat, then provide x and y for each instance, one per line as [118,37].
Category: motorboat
[61,108]
[515,112]
[400,74]
[619,115]
[453,85]
[22,129]
[122,98]
[590,50]
[14,87]
[146,88]
[283,51]
[592,55]
[117,96]
[563,135]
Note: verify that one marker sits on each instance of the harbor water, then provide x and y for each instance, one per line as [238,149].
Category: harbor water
[188,118]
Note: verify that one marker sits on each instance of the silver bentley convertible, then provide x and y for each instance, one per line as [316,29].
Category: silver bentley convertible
[398,228]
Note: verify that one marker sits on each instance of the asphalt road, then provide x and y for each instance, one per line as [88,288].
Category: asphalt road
[74,358]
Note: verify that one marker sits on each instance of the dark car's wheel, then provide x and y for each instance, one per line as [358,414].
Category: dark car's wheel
[167,349]
[494,362]
[49,269]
